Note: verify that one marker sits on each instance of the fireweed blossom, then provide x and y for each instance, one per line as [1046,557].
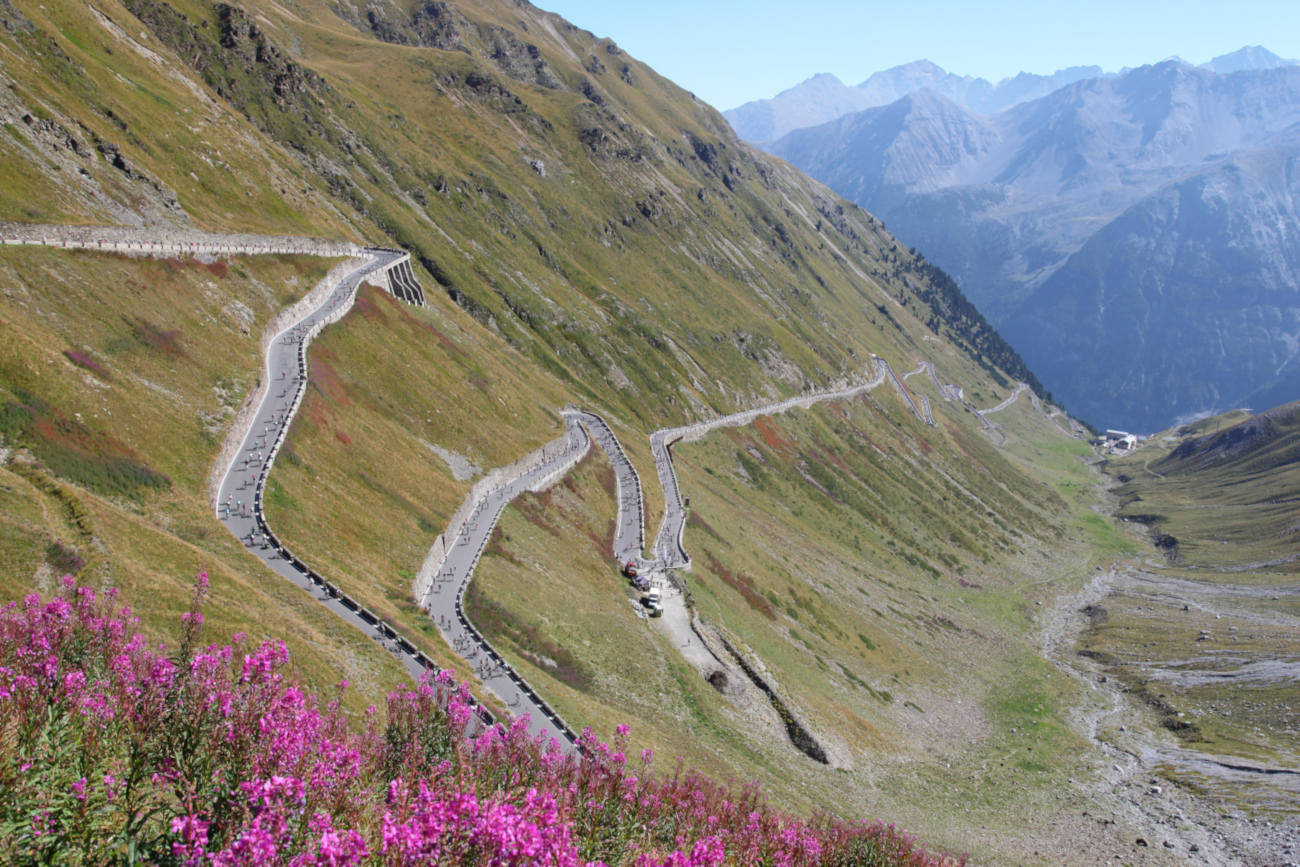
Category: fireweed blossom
[113,749]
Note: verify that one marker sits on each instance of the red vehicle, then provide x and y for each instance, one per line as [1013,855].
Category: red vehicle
[630,569]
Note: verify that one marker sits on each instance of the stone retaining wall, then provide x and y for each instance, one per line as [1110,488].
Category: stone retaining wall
[494,479]
[123,239]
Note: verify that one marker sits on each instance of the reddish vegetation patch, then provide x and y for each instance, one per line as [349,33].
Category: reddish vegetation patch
[605,544]
[767,429]
[370,293]
[367,305]
[695,522]
[869,403]
[496,547]
[75,451]
[742,584]
[857,430]
[824,455]
[678,459]
[925,446]
[326,380]
[316,412]
[443,340]
[534,509]
[971,584]
[218,269]
[343,438]
[156,338]
[497,622]
[608,481]
[85,362]
[572,487]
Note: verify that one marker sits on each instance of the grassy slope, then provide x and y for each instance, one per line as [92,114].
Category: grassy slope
[1228,512]
[922,732]
[1231,519]
[661,274]
[166,408]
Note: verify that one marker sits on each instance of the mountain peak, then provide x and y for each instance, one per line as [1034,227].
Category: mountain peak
[1248,57]
[916,67]
[908,75]
[820,81]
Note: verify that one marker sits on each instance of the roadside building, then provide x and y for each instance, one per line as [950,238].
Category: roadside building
[1125,444]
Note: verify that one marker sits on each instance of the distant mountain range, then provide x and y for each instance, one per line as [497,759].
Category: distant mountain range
[1135,237]
[824,97]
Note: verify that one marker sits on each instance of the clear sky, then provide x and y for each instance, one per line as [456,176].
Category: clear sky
[731,51]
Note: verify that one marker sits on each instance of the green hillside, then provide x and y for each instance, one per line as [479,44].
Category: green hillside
[586,232]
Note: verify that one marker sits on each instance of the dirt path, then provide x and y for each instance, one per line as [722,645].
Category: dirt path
[676,626]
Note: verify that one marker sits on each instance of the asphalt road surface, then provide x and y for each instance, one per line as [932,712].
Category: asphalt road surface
[444,600]
[247,474]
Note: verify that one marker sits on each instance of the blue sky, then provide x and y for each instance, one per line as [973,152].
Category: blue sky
[729,51]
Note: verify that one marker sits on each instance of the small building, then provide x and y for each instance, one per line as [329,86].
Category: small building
[1125,444]
[1116,435]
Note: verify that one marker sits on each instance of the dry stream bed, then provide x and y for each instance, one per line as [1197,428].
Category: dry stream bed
[1190,700]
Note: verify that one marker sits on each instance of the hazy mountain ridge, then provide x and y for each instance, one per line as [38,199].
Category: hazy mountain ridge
[824,97]
[1004,202]
[1190,295]
[1249,57]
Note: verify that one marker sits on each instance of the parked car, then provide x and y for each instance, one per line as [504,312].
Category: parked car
[630,569]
